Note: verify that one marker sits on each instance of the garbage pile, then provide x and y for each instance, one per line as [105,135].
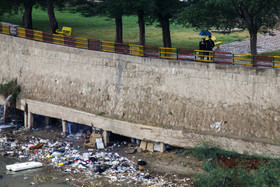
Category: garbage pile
[92,163]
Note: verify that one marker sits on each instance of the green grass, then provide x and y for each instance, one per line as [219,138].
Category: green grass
[104,28]
[272,53]
[266,173]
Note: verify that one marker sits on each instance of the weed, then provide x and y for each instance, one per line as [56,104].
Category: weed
[101,114]
[8,88]
[248,170]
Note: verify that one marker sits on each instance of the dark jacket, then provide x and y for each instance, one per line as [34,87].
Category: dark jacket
[202,46]
[210,44]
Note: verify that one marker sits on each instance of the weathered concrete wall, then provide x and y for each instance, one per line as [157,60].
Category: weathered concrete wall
[180,95]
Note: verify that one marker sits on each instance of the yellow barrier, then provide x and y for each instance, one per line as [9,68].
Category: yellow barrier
[242,59]
[166,52]
[6,29]
[108,46]
[38,35]
[204,56]
[58,39]
[276,61]
[21,32]
[137,50]
[81,43]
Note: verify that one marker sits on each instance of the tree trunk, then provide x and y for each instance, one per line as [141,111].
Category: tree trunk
[27,15]
[52,21]
[253,42]
[252,26]
[165,32]
[119,31]
[141,24]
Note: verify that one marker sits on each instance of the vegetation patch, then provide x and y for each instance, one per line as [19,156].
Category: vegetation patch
[272,53]
[228,168]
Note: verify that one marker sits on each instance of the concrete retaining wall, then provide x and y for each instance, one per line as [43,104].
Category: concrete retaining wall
[226,101]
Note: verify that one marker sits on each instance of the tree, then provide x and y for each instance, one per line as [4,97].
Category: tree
[52,20]
[143,9]
[27,15]
[111,8]
[49,5]
[6,8]
[16,6]
[163,12]
[255,15]
[115,9]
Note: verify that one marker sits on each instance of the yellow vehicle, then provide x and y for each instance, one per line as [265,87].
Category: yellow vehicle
[217,44]
[66,31]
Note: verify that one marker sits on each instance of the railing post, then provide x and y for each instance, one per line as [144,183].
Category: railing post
[159,52]
[232,58]
[213,56]
[273,63]
[177,53]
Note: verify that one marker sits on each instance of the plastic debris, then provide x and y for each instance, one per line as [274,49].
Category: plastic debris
[93,163]
[23,166]
[99,143]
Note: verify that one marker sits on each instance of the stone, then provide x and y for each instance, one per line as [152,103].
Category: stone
[139,150]
[157,146]
[143,145]
[150,146]
[131,151]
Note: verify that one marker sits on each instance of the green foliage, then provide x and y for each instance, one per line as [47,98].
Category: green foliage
[86,8]
[103,28]
[265,175]
[9,88]
[272,53]
[213,178]
[206,151]
[7,8]
[255,15]
[166,9]
[267,172]
[229,14]
[110,8]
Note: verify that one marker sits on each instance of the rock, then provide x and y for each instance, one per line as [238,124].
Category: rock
[157,147]
[150,146]
[131,151]
[143,145]
[139,150]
